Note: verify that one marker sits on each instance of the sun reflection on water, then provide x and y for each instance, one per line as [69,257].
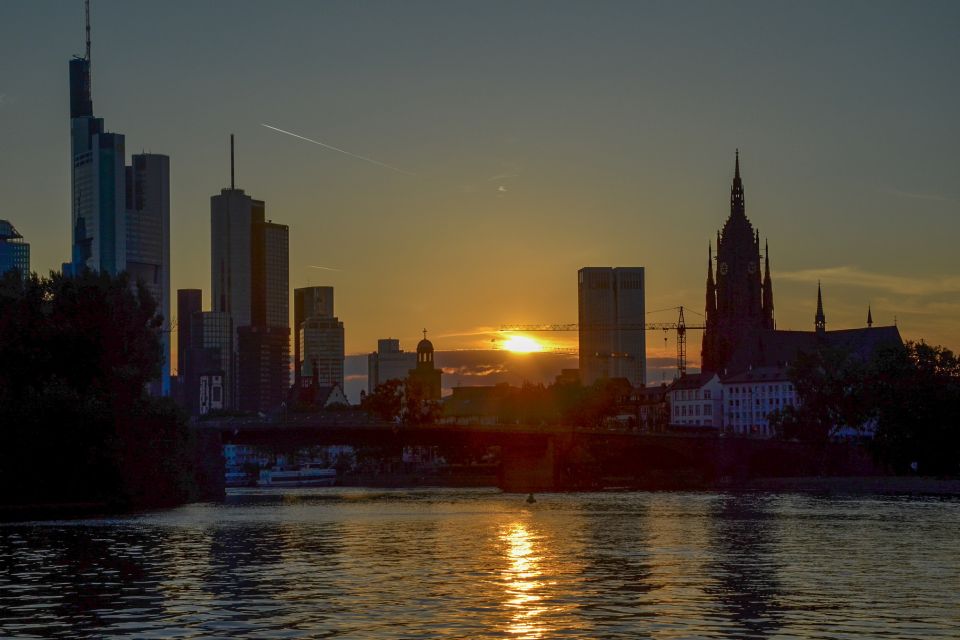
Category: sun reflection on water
[524,583]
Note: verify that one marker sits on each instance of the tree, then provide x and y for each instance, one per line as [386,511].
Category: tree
[832,391]
[76,355]
[917,397]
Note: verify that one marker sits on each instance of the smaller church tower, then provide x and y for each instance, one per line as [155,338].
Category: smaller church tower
[426,374]
[820,321]
[768,320]
[869,317]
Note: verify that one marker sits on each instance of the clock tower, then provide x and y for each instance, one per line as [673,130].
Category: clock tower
[740,302]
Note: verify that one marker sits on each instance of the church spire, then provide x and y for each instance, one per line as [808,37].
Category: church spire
[767,289]
[736,191]
[711,286]
[869,317]
[820,322]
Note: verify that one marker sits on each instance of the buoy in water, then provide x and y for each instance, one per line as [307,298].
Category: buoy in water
[531,499]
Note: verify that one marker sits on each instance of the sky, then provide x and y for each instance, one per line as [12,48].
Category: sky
[494,148]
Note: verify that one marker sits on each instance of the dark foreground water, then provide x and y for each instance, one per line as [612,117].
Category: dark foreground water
[357,563]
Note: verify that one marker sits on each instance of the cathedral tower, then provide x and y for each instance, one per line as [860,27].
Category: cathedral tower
[741,303]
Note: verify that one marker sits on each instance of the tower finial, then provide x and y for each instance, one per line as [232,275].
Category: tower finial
[737,168]
[424,334]
[232,185]
[869,316]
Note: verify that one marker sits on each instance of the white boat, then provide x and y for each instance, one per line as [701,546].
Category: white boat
[308,475]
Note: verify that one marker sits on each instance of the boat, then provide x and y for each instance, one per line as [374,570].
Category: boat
[240,479]
[308,475]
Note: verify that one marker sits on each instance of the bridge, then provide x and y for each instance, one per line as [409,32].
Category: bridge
[564,458]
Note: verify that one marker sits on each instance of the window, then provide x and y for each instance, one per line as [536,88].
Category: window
[706,394]
[707,410]
[698,409]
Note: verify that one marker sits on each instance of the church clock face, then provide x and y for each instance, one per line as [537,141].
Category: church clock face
[723,268]
[752,268]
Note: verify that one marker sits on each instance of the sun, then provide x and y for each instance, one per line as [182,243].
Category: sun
[522,344]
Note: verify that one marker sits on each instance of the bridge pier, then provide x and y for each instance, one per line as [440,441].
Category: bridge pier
[528,467]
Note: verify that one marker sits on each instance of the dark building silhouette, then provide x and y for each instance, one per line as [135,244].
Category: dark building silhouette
[250,281]
[264,375]
[740,300]
[741,331]
[308,302]
[425,374]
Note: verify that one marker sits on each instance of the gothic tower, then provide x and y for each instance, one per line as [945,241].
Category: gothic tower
[742,303]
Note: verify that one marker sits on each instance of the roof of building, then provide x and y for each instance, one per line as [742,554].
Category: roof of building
[8,232]
[692,381]
[759,374]
[780,348]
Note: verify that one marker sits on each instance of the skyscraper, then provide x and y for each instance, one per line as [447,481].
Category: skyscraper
[740,304]
[322,350]
[14,251]
[209,379]
[308,302]
[250,281]
[148,239]
[388,362]
[189,303]
[98,191]
[611,317]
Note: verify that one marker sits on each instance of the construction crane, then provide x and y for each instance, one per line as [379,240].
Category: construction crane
[680,326]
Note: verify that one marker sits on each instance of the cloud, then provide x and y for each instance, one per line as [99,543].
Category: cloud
[853,276]
[314,266]
[476,370]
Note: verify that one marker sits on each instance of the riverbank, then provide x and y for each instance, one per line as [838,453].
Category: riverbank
[884,485]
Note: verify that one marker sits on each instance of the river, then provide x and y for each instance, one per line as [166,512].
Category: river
[361,563]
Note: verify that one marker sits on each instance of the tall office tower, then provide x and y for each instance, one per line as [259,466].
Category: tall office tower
[209,379]
[388,362]
[14,251]
[308,302]
[98,192]
[250,281]
[232,215]
[189,302]
[612,315]
[322,350]
[148,240]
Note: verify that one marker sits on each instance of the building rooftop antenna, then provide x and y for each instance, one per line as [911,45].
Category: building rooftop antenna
[86,7]
[232,185]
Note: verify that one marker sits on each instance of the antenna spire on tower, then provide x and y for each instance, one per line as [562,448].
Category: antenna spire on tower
[86,6]
[232,185]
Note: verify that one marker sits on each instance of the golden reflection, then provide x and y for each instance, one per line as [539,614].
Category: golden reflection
[524,582]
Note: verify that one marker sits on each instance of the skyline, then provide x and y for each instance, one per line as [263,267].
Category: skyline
[832,207]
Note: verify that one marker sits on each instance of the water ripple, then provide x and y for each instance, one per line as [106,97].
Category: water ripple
[451,564]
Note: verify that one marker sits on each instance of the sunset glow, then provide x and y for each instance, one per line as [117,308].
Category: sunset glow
[522,344]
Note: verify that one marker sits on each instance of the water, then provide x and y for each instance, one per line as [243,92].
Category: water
[357,563]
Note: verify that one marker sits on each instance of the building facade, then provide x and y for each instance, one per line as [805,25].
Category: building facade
[388,362]
[322,349]
[148,241]
[696,401]
[308,302]
[751,396]
[14,251]
[611,318]
[209,378]
[263,374]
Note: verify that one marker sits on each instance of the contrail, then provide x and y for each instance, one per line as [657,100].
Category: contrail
[313,266]
[327,146]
